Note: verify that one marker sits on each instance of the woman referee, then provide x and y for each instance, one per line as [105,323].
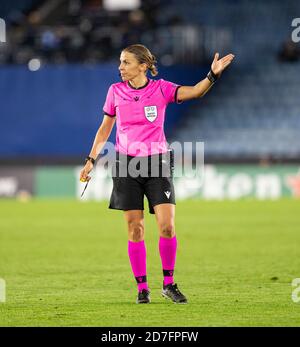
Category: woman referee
[138,105]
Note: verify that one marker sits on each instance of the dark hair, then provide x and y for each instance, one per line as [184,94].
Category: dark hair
[143,55]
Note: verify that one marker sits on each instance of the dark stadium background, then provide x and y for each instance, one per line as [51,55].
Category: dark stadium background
[60,57]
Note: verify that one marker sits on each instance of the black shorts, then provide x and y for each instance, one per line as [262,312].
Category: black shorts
[147,176]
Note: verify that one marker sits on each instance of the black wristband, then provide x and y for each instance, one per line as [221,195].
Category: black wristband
[88,158]
[212,76]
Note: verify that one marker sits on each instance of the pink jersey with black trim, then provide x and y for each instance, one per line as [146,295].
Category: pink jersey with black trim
[140,115]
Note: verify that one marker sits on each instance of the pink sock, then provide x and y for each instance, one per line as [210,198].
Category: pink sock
[137,256]
[167,251]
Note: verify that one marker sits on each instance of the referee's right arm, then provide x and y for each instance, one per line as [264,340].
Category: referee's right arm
[100,139]
[102,135]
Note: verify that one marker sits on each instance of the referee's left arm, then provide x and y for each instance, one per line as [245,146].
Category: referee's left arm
[201,88]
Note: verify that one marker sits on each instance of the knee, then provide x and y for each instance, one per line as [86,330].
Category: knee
[167,230]
[136,231]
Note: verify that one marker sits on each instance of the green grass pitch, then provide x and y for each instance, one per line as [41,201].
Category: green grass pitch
[65,263]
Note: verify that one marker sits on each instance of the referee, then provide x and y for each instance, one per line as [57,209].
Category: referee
[138,105]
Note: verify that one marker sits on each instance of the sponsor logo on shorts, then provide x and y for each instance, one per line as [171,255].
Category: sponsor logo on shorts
[168,194]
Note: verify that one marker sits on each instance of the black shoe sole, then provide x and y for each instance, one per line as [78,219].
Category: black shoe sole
[143,302]
[175,302]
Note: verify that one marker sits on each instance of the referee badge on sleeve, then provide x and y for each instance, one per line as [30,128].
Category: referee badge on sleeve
[150,113]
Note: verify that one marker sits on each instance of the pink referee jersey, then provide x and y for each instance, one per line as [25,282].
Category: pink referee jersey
[140,115]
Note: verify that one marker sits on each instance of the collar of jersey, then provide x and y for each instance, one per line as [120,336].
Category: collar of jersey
[145,85]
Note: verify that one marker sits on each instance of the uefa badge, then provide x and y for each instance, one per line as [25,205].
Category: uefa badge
[150,113]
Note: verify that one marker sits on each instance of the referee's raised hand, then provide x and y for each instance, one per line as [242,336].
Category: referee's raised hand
[84,173]
[219,65]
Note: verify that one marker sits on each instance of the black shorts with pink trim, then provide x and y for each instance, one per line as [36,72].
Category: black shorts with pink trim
[137,177]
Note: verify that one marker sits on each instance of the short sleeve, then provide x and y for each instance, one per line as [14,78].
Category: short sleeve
[109,105]
[169,91]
